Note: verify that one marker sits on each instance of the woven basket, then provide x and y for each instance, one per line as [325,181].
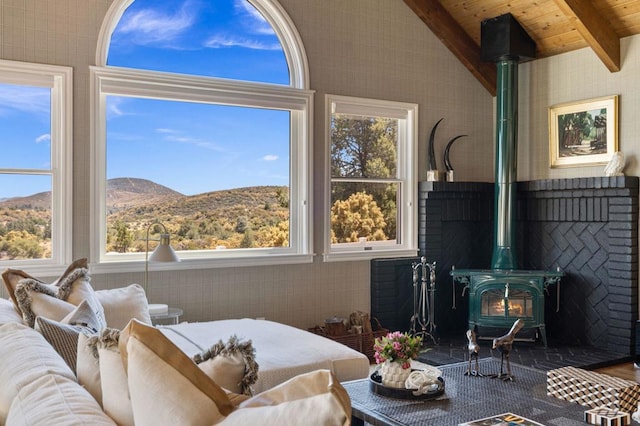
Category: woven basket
[362,342]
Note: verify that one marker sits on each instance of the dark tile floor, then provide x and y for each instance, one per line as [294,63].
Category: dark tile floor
[450,350]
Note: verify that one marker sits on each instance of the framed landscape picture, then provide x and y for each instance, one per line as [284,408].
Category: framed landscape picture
[583,132]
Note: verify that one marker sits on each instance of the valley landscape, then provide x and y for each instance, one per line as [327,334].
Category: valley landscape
[235,218]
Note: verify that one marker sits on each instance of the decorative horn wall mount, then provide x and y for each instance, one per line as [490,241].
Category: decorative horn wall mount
[447,161]
[432,168]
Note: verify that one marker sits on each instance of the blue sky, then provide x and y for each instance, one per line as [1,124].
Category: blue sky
[191,148]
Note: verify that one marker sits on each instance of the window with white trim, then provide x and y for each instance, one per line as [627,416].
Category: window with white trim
[35,165]
[372,182]
[220,158]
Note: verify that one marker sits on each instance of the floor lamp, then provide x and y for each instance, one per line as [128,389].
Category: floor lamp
[162,253]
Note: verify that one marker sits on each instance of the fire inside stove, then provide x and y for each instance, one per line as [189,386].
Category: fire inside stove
[518,305]
[498,298]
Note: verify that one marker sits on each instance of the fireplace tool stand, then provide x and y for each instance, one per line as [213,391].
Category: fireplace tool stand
[423,300]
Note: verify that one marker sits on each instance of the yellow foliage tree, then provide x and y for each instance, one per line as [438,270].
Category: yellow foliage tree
[356,217]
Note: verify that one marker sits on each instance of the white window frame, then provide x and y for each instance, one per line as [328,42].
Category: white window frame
[59,79]
[296,98]
[107,81]
[407,166]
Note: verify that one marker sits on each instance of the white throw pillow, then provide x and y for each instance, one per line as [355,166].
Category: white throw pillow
[166,386]
[116,401]
[8,312]
[231,365]
[88,366]
[12,277]
[63,335]
[55,301]
[124,304]
[25,356]
[55,400]
[314,398]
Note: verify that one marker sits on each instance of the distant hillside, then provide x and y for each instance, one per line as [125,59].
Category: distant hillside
[126,193]
[241,217]
[259,203]
[41,200]
[122,193]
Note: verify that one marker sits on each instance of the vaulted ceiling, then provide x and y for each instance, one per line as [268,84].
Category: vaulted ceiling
[557,26]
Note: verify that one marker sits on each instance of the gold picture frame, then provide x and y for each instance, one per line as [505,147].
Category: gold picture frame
[584,132]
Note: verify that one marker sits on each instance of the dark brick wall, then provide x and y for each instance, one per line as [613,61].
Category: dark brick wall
[586,226]
[589,228]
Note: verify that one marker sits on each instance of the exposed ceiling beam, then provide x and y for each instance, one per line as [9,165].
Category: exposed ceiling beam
[456,39]
[595,30]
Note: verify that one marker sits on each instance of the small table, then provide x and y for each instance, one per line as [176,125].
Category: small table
[172,316]
[466,398]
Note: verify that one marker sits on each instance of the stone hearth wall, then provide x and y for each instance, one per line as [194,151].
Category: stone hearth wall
[586,226]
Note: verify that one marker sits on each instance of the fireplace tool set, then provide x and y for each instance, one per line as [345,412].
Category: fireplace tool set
[424,287]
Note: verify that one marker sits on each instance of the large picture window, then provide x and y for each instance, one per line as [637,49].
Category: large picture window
[220,157]
[371,149]
[35,165]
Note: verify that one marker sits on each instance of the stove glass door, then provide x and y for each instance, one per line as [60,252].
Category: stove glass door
[518,304]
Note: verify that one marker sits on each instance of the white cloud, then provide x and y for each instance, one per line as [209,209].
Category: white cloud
[194,141]
[252,19]
[43,138]
[270,157]
[220,41]
[153,26]
[114,107]
[163,130]
[32,100]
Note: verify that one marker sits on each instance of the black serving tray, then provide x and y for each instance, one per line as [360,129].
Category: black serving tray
[376,386]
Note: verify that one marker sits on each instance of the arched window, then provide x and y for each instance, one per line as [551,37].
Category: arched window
[201,121]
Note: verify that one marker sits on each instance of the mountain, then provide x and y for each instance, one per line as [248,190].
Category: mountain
[127,193]
[122,193]
[41,200]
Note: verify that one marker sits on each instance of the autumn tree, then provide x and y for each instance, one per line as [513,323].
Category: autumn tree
[123,237]
[21,245]
[358,216]
[365,148]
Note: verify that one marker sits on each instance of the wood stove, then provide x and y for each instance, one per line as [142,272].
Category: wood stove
[499,296]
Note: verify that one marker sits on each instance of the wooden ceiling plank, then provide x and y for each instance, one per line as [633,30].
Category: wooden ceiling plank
[453,36]
[596,31]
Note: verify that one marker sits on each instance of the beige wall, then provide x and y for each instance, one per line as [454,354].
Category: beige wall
[368,48]
[572,77]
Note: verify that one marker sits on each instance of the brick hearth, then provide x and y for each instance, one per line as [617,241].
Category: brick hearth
[586,226]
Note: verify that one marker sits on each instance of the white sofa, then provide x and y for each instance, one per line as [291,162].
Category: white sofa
[299,372]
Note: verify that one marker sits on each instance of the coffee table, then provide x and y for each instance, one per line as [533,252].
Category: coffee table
[467,398]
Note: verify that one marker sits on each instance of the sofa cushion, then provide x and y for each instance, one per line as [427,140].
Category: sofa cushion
[123,304]
[88,366]
[53,399]
[8,312]
[55,301]
[159,374]
[25,356]
[12,277]
[63,335]
[314,398]
[231,365]
[116,400]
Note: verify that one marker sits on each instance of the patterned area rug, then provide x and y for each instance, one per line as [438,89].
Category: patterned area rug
[468,398]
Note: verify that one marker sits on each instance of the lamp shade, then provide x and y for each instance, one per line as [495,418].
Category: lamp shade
[164,252]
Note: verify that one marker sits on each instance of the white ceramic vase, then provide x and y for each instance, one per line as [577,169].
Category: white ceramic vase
[393,375]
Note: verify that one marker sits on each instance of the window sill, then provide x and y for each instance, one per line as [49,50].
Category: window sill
[368,255]
[188,264]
